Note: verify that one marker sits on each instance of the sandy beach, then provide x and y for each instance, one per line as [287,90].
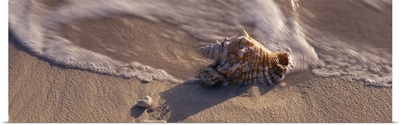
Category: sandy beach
[42,91]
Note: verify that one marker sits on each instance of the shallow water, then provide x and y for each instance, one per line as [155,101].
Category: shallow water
[50,30]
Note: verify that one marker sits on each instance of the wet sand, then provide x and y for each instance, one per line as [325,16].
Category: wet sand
[40,91]
[129,38]
[351,21]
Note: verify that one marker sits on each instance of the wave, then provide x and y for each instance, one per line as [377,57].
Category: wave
[38,28]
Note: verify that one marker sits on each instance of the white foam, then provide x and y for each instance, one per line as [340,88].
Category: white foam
[372,66]
[280,33]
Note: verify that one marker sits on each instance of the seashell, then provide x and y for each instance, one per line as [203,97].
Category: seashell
[243,60]
[145,103]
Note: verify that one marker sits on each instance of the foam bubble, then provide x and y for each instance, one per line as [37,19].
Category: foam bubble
[372,67]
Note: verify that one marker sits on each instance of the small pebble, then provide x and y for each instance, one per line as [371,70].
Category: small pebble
[145,103]
[282,84]
[145,81]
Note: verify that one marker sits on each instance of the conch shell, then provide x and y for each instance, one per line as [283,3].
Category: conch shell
[242,60]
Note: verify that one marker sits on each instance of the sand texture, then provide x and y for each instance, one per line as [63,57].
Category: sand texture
[42,91]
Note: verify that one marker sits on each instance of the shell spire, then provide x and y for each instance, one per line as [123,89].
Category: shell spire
[211,50]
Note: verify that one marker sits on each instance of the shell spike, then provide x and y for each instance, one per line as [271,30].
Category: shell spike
[242,33]
[226,39]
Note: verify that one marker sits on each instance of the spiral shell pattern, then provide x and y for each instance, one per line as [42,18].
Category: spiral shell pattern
[242,60]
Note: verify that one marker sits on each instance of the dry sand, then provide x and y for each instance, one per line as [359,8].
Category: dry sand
[40,91]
